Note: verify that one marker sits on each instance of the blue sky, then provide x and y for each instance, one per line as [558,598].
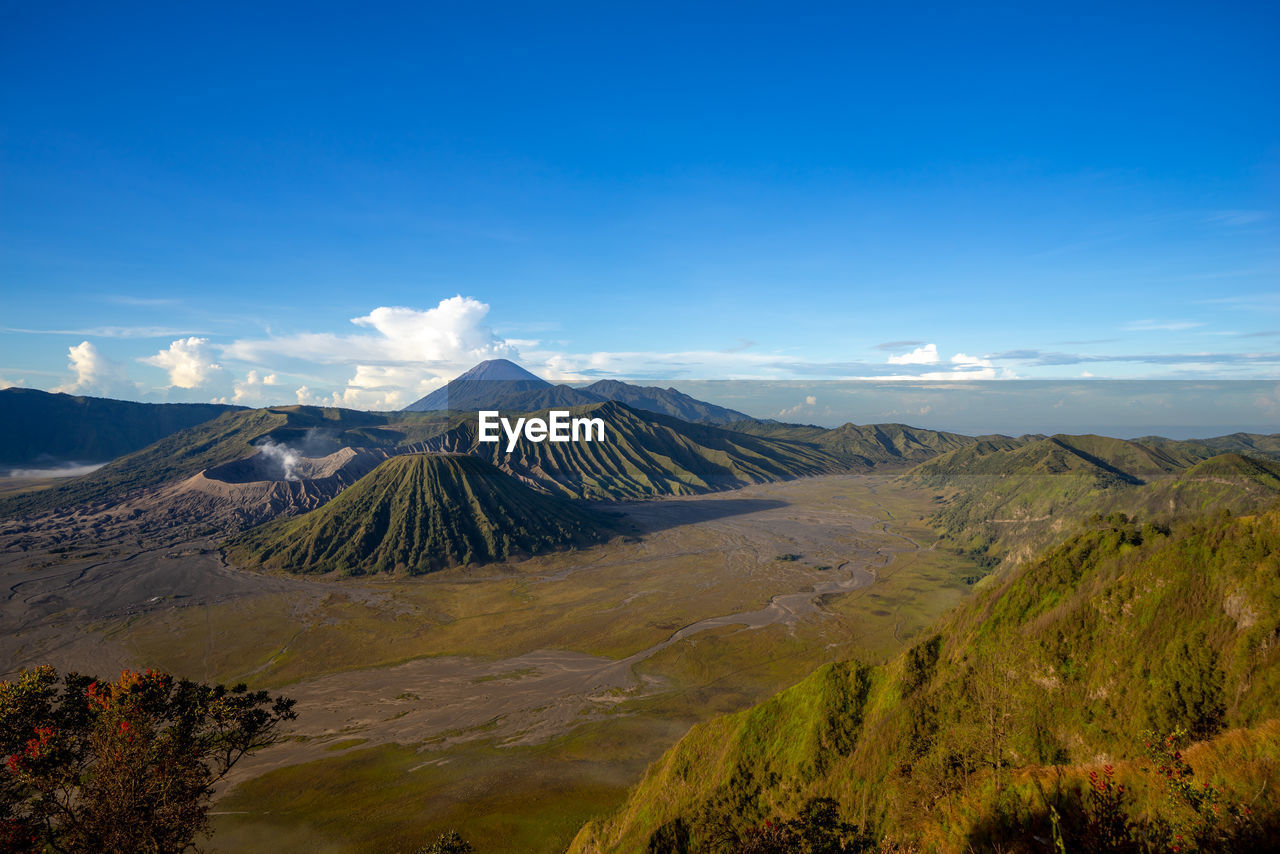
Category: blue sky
[337,202]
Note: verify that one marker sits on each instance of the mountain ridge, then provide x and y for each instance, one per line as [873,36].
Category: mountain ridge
[41,428]
[418,513]
[1047,673]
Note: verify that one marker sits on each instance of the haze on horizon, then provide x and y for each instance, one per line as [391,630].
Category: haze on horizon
[329,207]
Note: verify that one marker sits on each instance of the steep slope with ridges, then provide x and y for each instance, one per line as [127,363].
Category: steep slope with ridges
[417,513]
[644,454]
[965,740]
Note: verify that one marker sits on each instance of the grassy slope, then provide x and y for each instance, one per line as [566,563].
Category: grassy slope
[865,445]
[419,512]
[1118,630]
[645,455]
[1009,499]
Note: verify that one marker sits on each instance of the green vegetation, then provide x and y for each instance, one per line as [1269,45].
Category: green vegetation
[985,733]
[417,513]
[863,446]
[646,455]
[120,767]
[613,600]
[228,437]
[1008,499]
[61,427]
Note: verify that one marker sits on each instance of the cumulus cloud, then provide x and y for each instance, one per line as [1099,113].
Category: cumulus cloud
[926,355]
[407,352]
[189,362]
[94,372]
[252,390]
[454,332]
[450,336]
[375,387]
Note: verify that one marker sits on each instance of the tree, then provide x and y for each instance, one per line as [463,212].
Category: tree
[124,766]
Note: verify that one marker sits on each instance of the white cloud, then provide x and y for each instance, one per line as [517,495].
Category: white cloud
[367,391]
[810,401]
[1160,325]
[453,331]
[410,352]
[380,399]
[6,383]
[189,362]
[252,390]
[963,361]
[926,355]
[386,387]
[450,337]
[94,372]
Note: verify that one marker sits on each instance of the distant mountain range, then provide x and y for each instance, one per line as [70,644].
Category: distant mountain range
[504,385]
[999,496]
[39,428]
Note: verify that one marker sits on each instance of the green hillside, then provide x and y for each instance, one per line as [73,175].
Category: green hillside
[864,445]
[1234,469]
[1254,444]
[39,428]
[982,735]
[228,437]
[645,454]
[1010,498]
[416,513]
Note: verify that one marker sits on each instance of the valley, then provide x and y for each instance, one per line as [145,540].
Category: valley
[522,645]
[556,656]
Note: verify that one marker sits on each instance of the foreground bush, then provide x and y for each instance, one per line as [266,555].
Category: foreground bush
[123,766]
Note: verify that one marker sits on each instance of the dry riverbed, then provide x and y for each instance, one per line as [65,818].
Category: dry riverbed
[714,602]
